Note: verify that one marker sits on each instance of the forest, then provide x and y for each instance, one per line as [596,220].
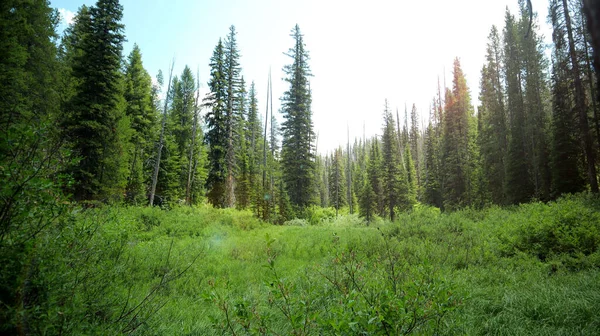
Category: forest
[132,204]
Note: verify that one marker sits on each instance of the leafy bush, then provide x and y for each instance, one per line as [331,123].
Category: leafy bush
[567,229]
[316,215]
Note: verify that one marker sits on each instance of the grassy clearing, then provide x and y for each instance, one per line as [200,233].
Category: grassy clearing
[529,270]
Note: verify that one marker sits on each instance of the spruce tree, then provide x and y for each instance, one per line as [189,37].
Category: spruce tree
[337,181]
[30,154]
[566,156]
[535,93]
[519,186]
[94,122]
[216,135]
[492,133]
[580,102]
[143,118]
[254,140]
[459,137]
[297,156]
[395,188]
[233,110]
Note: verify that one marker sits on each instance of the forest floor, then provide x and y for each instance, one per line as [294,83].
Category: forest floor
[526,270]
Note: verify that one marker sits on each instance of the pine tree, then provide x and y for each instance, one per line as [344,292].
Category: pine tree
[433,163]
[337,181]
[216,135]
[297,156]
[459,138]
[492,134]
[534,96]
[233,111]
[242,192]
[254,139]
[395,188]
[519,186]
[414,140]
[369,184]
[565,154]
[580,103]
[95,124]
[411,175]
[143,118]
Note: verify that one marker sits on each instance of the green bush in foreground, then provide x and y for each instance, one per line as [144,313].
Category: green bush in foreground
[531,269]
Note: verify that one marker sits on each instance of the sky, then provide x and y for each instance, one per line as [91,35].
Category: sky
[361,52]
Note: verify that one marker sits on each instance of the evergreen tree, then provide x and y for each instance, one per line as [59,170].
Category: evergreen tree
[395,188]
[233,110]
[459,138]
[337,181]
[580,102]
[143,117]
[297,156]
[519,186]
[411,175]
[254,139]
[433,161]
[30,156]
[414,139]
[566,158]
[242,190]
[216,135]
[534,96]
[492,134]
[94,123]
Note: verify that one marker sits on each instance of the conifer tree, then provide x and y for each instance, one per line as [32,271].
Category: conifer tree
[233,110]
[519,186]
[254,139]
[297,156]
[216,135]
[143,119]
[395,188]
[492,134]
[459,137]
[94,123]
[31,151]
[580,102]
[414,140]
[565,154]
[337,181]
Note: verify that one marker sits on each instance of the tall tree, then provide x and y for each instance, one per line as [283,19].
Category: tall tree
[337,183]
[580,103]
[492,133]
[233,111]
[394,183]
[459,139]
[297,156]
[216,135]
[30,150]
[414,139]
[142,115]
[254,139]
[534,96]
[565,154]
[95,124]
[519,186]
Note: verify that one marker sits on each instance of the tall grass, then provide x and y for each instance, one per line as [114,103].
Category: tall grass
[531,269]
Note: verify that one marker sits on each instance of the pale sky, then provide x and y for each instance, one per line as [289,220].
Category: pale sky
[362,52]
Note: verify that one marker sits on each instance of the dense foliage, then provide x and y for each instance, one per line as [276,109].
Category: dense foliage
[395,234]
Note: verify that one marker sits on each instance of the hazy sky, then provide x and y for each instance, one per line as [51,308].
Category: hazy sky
[362,52]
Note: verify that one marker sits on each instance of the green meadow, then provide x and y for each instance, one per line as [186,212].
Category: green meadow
[526,270]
